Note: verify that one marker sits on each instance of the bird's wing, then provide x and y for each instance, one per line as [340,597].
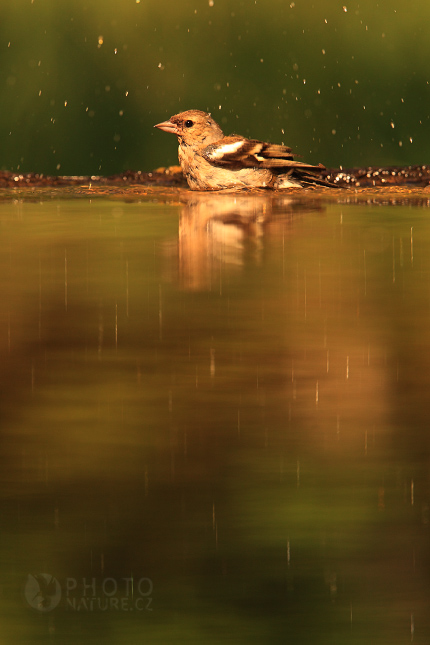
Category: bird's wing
[236,151]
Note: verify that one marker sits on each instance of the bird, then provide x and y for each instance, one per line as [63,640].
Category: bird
[212,161]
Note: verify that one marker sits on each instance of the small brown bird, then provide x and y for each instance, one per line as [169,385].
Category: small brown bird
[211,161]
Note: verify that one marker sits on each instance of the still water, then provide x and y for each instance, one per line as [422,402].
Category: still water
[214,420]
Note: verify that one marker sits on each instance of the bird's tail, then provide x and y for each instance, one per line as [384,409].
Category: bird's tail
[299,176]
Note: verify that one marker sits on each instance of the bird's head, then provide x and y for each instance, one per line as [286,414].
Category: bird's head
[193,127]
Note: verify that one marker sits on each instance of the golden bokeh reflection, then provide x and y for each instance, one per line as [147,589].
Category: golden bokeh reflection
[214,420]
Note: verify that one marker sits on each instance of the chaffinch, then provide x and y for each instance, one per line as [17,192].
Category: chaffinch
[211,161]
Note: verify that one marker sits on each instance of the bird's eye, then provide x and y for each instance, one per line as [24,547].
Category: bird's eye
[189,123]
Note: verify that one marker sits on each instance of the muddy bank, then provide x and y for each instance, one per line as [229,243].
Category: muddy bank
[365,177]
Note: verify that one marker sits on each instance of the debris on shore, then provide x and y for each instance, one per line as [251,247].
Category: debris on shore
[364,177]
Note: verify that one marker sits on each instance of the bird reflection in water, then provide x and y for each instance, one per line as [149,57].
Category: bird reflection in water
[219,230]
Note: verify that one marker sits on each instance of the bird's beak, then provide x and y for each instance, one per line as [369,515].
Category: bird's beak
[167,126]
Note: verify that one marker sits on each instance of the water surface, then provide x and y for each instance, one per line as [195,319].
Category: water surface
[214,420]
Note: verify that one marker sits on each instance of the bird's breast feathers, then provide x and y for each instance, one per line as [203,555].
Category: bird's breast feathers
[203,173]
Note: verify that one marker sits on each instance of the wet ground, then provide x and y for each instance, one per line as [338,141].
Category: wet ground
[409,185]
[362,177]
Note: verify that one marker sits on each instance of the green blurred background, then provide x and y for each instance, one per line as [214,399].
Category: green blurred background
[83,82]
